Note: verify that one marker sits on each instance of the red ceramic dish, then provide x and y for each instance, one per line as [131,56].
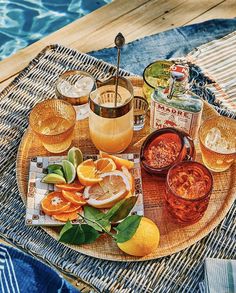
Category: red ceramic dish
[165,147]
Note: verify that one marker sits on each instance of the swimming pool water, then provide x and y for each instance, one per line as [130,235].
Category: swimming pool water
[23,22]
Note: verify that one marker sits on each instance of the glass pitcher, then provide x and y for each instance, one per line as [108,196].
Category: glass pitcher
[111,119]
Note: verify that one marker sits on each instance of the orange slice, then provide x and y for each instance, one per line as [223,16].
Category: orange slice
[130,176]
[105,165]
[87,173]
[113,187]
[75,198]
[54,203]
[73,208]
[118,161]
[76,186]
[64,217]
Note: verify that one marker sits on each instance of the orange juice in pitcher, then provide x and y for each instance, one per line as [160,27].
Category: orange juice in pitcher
[110,125]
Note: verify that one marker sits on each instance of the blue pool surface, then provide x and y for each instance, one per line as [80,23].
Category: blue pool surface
[23,22]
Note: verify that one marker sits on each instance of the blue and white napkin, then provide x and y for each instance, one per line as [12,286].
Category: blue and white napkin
[20,272]
[220,276]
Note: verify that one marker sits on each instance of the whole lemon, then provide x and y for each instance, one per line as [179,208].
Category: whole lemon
[144,241]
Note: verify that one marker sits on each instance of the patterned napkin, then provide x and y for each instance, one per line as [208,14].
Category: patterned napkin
[37,190]
[220,276]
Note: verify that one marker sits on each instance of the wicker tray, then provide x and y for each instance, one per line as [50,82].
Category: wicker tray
[174,237]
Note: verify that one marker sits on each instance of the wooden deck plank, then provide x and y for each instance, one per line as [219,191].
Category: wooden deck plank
[226,9]
[130,25]
[179,16]
[136,19]
[7,82]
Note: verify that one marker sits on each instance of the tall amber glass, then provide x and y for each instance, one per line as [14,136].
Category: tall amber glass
[188,189]
[217,138]
[53,122]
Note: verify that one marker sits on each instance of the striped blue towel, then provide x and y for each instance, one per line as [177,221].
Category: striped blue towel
[220,276]
[20,272]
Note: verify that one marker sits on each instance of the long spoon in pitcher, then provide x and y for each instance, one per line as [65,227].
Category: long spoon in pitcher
[119,42]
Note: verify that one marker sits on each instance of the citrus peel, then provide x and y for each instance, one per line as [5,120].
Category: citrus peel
[74,197]
[87,173]
[113,187]
[144,241]
[64,217]
[54,203]
[120,162]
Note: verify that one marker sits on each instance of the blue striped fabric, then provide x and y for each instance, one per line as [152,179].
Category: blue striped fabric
[21,273]
[220,276]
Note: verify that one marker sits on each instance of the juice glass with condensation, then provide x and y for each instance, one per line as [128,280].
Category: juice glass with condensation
[53,122]
[217,136]
[111,123]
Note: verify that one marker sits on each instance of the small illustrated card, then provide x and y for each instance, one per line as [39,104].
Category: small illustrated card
[38,190]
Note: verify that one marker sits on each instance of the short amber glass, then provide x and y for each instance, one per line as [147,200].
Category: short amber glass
[188,189]
[217,138]
[53,122]
[74,87]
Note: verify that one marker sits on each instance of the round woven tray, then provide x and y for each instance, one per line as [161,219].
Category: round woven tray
[174,236]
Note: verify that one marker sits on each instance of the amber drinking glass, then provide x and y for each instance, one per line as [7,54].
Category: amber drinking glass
[53,122]
[217,138]
[188,189]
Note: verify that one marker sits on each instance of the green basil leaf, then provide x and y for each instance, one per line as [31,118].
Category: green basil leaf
[94,214]
[127,228]
[121,209]
[78,234]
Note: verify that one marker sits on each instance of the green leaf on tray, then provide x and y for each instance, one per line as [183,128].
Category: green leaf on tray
[127,228]
[121,209]
[95,215]
[90,233]
[63,233]
[78,234]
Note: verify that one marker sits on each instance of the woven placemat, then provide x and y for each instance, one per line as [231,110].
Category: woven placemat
[180,272]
